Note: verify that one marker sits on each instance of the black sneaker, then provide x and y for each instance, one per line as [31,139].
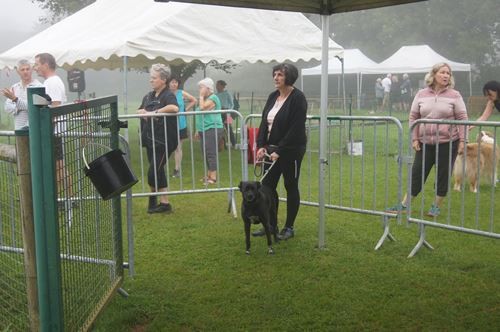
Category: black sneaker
[162,208]
[286,233]
[176,173]
[152,203]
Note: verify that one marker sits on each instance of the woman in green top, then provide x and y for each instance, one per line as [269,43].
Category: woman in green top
[209,127]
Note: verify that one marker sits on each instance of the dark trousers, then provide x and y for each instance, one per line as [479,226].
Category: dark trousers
[438,155]
[157,160]
[290,168]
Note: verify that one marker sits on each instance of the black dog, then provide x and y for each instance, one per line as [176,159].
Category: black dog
[259,206]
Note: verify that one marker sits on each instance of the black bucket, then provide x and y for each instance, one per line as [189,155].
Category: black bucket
[110,174]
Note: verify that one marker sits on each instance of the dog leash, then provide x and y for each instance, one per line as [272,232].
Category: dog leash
[262,162]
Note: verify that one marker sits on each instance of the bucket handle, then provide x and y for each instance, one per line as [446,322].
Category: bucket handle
[83,152]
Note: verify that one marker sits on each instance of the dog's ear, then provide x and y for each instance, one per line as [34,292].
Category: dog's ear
[240,185]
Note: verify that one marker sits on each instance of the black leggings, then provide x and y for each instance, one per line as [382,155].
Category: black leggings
[157,160]
[434,154]
[290,168]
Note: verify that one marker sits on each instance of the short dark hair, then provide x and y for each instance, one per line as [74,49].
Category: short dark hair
[47,58]
[493,86]
[291,72]
[177,79]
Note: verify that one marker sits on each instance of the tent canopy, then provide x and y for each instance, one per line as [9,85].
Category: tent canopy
[99,35]
[354,62]
[415,59]
[323,7]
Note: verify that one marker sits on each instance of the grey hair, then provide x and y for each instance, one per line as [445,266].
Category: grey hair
[163,70]
[23,62]
[429,77]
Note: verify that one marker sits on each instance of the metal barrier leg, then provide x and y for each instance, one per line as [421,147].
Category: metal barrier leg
[387,233]
[123,292]
[421,242]
[231,208]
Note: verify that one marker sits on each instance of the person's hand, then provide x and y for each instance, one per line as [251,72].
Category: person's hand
[196,136]
[8,93]
[261,153]
[274,156]
[142,111]
[203,91]
[416,145]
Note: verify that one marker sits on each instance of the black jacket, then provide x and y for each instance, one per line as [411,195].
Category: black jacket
[152,103]
[289,126]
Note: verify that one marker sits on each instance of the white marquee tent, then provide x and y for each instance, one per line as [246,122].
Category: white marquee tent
[417,59]
[134,34]
[102,34]
[354,62]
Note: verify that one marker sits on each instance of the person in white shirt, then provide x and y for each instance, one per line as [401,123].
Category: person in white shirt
[17,99]
[45,66]
[386,83]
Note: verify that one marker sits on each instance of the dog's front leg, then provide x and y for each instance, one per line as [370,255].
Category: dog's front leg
[247,235]
[270,249]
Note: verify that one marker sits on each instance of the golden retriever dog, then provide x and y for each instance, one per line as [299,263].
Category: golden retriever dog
[482,160]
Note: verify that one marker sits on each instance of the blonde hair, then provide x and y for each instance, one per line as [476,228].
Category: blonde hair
[430,76]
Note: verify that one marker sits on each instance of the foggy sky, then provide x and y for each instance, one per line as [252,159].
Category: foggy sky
[19,21]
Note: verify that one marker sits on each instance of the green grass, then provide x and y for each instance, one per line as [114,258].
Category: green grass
[192,273]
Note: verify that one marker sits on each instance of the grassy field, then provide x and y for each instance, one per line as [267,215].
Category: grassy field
[192,273]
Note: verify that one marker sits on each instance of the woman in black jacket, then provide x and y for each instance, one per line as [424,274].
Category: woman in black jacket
[282,135]
[158,146]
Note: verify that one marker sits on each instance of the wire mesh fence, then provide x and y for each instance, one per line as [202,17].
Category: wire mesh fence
[90,266]
[78,233]
[13,300]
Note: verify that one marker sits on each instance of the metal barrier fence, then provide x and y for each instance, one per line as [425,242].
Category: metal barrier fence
[190,177]
[462,210]
[364,165]
[13,290]
[78,235]
[365,174]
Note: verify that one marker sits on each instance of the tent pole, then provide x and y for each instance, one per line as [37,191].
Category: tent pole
[470,84]
[357,88]
[343,87]
[361,86]
[325,27]
[125,85]
[338,86]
